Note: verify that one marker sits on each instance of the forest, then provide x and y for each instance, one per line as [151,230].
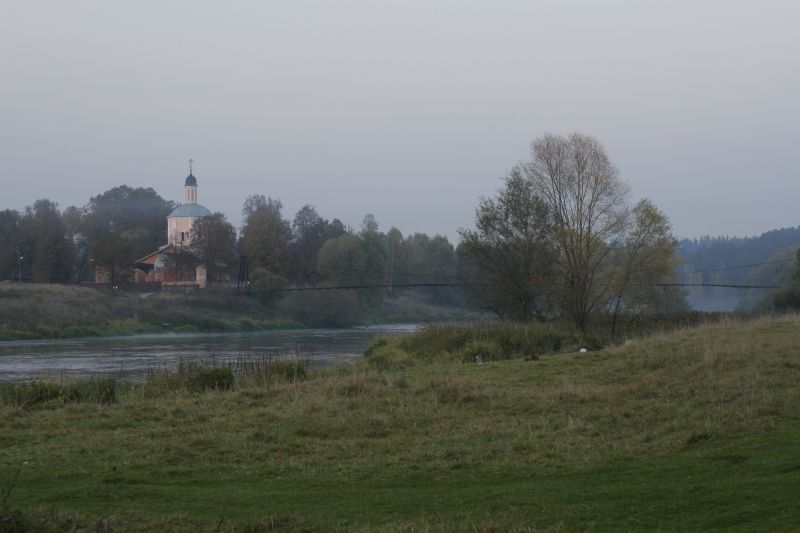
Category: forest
[44,244]
[766,259]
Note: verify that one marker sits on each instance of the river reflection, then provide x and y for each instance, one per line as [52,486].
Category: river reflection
[129,357]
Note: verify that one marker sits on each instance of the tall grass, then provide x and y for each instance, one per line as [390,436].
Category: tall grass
[209,374]
[468,343]
[98,390]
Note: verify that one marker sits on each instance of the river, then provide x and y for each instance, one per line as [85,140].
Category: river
[130,357]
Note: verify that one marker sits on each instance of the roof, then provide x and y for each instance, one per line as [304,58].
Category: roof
[171,249]
[191,181]
[149,259]
[189,210]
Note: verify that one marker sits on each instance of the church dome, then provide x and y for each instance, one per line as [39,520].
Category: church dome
[189,210]
[191,181]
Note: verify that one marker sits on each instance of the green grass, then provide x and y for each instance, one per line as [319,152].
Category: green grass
[695,430]
[58,311]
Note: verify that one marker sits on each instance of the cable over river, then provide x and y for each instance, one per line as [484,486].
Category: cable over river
[130,357]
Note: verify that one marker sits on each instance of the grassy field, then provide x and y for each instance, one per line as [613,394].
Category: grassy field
[694,430]
[61,311]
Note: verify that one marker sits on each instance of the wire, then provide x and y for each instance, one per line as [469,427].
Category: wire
[411,285]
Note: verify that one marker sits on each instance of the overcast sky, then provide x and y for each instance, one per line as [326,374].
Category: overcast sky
[408,109]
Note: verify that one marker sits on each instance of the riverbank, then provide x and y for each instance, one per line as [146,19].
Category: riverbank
[693,430]
[29,312]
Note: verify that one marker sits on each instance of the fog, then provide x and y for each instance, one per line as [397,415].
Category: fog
[409,110]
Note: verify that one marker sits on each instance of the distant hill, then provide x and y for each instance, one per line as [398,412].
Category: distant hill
[717,260]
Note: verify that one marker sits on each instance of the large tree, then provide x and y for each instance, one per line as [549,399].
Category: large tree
[309,233]
[48,253]
[214,241]
[561,239]
[574,176]
[513,250]
[266,235]
[343,261]
[122,225]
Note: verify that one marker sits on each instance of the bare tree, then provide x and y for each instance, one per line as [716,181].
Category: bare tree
[589,206]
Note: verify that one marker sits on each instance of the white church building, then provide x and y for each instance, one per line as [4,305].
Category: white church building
[175,265]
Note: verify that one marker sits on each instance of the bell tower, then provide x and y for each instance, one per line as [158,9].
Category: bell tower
[190,187]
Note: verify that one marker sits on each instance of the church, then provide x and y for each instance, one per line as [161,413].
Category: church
[175,265]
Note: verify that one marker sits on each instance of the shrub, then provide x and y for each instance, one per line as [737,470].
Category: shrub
[211,378]
[192,376]
[268,369]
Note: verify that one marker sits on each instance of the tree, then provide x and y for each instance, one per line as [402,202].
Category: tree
[369,224]
[588,202]
[258,202]
[513,250]
[646,258]
[343,261]
[560,239]
[122,225]
[787,299]
[9,243]
[266,286]
[48,252]
[266,235]
[309,233]
[398,257]
[214,241]
[376,252]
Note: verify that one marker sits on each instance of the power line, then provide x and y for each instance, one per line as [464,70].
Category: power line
[376,286]
[415,285]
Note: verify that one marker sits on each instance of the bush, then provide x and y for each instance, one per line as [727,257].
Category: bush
[211,378]
[191,376]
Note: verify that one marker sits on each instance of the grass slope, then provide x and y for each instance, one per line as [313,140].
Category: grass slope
[693,430]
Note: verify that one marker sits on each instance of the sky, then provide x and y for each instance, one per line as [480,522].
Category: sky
[409,109]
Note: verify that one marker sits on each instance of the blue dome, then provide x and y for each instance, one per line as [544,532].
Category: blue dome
[191,181]
[189,210]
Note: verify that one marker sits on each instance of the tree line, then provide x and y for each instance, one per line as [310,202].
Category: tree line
[114,229]
[560,239]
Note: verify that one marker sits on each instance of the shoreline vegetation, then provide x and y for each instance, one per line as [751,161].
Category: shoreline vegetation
[694,429]
[41,311]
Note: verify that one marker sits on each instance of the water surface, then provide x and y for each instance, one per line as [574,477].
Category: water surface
[129,357]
